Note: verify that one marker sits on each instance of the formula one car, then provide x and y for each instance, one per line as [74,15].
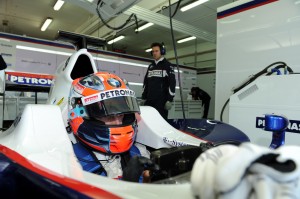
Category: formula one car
[37,158]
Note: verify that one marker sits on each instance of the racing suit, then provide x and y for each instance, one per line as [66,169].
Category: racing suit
[159,85]
[110,165]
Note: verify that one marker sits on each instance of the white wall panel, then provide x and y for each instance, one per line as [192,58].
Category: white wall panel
[250,40]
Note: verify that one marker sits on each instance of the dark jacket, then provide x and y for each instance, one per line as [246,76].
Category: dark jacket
[159,82]
[2,63]
[199,94]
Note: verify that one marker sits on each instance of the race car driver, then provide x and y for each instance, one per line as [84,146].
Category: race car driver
[102,114]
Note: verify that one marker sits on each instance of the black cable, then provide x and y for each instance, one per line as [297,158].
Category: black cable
[136,24]
[281,66]
[176,9]
[254,77]
[118,27]
[91,161]
[176,57]
[265,70]
[223,108]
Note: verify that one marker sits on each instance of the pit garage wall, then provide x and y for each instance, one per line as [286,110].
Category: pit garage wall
[250,36]
[25,54]
[201,55]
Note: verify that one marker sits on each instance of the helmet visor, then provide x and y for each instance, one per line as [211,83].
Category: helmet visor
[119,101]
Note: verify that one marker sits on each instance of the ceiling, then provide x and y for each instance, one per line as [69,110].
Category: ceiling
[25,17]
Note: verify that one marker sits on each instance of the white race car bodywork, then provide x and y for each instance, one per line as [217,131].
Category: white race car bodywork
[60,90]
[41,138]
[39,135]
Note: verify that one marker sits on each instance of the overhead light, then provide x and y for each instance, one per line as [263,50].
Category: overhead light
[116,39]
[120,62]
[90,1]
[148,50]
[58,4]
[147,25]
[68,54]
[176,71]
[186,39]
[191,5]
[46,24]
[134,83]
[43,50]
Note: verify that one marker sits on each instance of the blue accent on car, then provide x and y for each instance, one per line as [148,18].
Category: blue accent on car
[277,124]
[17,181]
[210,130]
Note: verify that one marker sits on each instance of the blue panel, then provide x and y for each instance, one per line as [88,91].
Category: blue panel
[19,182]
[210,130]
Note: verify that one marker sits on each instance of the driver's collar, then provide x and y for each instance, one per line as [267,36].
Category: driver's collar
[160,59]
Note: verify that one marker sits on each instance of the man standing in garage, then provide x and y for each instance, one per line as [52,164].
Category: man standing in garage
[159,82]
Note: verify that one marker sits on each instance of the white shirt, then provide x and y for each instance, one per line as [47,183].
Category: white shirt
[156,61]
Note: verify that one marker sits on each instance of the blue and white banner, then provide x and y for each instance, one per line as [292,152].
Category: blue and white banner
[29,79]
